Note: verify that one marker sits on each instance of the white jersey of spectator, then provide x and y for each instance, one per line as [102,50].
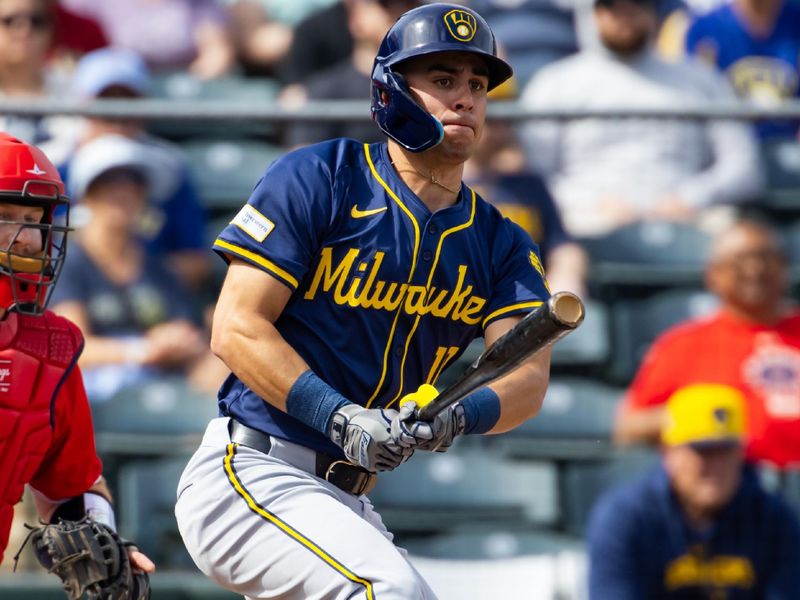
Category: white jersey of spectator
[640,161]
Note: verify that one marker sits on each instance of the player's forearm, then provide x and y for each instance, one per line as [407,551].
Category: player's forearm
[259,356]
[45,507]
[521,392]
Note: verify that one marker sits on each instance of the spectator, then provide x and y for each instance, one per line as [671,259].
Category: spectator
[26,34]
[699,525]
[178,226]
[169,34]
[135,316]
[498,173]
[533,33]
[607,172]
[751,344]
[261,42]
[320,40]
[38,42]
[367,21]
[756,43]
[74,34]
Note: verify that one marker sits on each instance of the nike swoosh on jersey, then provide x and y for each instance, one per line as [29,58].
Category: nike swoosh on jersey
[360,214]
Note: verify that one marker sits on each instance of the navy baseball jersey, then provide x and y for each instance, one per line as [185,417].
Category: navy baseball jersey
[385,294]
[762,68]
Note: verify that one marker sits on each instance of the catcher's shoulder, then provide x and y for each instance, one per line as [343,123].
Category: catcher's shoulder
[50,337]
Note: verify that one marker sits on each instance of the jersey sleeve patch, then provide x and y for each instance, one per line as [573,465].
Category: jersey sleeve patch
[253,223]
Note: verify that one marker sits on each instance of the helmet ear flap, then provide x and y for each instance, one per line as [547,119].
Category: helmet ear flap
[399,116]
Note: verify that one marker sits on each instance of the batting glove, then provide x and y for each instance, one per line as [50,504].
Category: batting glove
[434,436]
[365,436]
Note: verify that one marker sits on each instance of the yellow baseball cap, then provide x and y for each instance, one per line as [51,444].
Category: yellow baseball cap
[704,414]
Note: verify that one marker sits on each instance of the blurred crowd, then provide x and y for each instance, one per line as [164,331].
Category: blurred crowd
[140,280]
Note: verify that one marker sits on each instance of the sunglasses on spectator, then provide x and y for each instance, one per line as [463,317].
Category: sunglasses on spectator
[37,21]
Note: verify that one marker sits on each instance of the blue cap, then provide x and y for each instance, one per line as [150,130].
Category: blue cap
[101,69]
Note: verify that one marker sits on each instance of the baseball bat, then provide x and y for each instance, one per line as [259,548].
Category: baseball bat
[541,327]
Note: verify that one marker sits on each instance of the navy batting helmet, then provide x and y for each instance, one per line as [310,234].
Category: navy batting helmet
[426,30]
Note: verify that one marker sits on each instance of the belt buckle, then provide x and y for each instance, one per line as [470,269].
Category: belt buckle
[329,470]
[365,477]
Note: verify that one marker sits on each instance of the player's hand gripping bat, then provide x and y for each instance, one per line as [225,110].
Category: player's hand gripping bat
[544,325]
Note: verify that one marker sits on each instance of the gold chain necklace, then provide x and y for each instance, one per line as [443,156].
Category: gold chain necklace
[433,179]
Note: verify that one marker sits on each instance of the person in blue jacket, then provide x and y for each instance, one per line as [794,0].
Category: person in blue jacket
[699,525]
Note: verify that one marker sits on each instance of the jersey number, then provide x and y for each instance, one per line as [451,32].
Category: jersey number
[443,356]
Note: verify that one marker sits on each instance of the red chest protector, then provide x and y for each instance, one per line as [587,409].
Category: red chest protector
[36,355]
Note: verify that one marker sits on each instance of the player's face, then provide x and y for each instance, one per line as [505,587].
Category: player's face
[748,270]
[452,87]
[704,479]
[14,236]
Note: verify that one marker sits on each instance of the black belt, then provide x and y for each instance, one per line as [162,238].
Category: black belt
[348,477]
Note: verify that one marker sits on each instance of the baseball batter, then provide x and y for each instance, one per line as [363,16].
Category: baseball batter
[356,274]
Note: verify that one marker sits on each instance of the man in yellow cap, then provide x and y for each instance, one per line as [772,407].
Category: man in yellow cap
[699,525]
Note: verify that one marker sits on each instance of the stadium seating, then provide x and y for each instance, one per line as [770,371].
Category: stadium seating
[589,344]
[791,237]
[650,254]
[574,422]
[163,416]
[637,323]
[541,576]
[166,585]
[227,170]
[490,544]
[435,491]
[585,481]
[782,169]
[146,495]
[182,86]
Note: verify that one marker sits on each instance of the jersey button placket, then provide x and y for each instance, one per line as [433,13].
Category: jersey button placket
[432,230]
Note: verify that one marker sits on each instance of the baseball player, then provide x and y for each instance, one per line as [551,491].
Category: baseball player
[46,436]
[356,274]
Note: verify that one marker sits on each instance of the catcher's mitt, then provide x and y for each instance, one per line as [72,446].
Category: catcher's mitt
[90,558]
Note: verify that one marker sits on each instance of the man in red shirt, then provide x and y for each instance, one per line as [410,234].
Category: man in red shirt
[752,344]
[46,434]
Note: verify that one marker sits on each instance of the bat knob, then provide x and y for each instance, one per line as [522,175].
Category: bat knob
[567,309]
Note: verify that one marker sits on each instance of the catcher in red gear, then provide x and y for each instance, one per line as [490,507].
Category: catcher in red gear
[46,434]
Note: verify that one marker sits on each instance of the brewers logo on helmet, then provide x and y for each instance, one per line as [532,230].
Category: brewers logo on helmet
[426,30]
[461,24]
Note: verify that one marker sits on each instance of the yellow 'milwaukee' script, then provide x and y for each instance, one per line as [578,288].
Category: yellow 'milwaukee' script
[458,304]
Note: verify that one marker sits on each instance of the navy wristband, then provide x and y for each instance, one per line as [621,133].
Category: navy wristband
[312,401]
[481,411]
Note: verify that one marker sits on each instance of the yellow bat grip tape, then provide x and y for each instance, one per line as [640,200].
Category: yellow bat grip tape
[424,395]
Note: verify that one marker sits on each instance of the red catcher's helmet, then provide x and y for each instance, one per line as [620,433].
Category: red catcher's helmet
[28,178]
